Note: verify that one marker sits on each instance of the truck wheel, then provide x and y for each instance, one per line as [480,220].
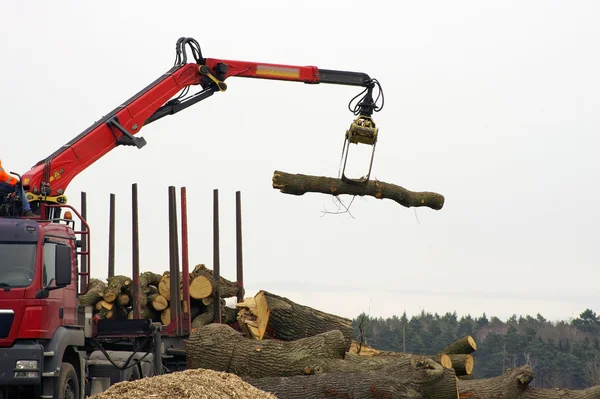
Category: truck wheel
[68,383]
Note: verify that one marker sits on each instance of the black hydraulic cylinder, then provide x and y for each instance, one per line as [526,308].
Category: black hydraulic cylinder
[344,78]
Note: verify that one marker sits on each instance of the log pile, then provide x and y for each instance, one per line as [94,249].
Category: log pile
[295,351]
[114,299]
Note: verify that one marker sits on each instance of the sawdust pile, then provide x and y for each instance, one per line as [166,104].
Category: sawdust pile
[188,384]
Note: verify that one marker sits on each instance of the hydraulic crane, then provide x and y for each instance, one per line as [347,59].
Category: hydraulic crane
[51,346]
[47,181]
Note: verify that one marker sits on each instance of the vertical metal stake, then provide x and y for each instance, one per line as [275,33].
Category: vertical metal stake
[175,306]
[83,279]
[238,247]
[111,238]
[216,258]
[185,264]
[135,251]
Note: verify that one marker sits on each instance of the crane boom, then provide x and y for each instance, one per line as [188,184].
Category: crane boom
[48,180]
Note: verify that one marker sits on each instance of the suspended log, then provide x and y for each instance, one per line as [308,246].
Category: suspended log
[421,380]
[298,184]
[94,294]
[463,346]
[514,384]
[280,318]
[221,348]
[462,364]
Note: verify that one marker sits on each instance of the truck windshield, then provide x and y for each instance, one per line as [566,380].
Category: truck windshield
[17,264]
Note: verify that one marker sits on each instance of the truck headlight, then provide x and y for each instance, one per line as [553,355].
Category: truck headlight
[28,367]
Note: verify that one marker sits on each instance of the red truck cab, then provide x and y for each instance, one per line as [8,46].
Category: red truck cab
[39,329]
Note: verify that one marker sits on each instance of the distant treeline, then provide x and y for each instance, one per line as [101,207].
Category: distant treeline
[563,354]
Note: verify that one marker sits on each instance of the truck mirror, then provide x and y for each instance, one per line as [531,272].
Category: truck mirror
[63,266]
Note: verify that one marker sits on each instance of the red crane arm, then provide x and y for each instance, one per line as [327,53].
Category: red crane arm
[51,176]
[61,167]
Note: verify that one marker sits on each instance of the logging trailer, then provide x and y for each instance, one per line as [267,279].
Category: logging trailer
[52,347]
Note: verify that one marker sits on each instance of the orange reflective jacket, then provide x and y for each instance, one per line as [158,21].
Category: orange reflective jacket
[5,177]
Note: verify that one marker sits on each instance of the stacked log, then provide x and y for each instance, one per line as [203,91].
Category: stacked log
[316,366]
[114,298]
[269,316]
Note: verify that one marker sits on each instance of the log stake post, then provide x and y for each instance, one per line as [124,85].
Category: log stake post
[111,237]
[216,258]
[84,279]
[239,258]
[187,322]
[175,305]
[135,252]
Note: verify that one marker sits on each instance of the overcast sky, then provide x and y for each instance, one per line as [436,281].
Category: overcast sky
[495,105]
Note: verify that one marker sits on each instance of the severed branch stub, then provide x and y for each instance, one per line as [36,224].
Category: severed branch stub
[298,184]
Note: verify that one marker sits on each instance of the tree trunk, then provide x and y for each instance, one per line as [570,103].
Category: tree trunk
[94,294]
[221,348]
[427,380]
[514,384]
[149,278]
[159,302]
[297,184]
[463,346]
[462,364]
[283,319]
[367,351]
[203,283]
[115,286]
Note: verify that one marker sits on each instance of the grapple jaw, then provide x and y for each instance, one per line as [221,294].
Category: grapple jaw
[362,131]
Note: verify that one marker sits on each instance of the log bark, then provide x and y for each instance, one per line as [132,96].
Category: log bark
[94,294]
[203,284]
[514,384]
[298,184]
[221,348]
[280,318]
[115,286]
[148,279]
[462,364]
[427,380]
[367,351]
[464,346]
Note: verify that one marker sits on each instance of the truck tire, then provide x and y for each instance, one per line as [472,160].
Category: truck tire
[68,383]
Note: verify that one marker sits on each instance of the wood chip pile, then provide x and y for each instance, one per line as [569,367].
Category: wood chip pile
[189,384]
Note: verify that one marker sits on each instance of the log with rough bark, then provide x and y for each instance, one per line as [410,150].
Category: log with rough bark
[298,184]
[203,283]
[159,302]
[514,384]
[363,350]
[115,286]
[94,294]
[464,346]
[221,348]
[426,379]
[462,364]
[281,318]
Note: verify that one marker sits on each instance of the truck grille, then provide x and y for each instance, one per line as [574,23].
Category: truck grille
[6,319]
